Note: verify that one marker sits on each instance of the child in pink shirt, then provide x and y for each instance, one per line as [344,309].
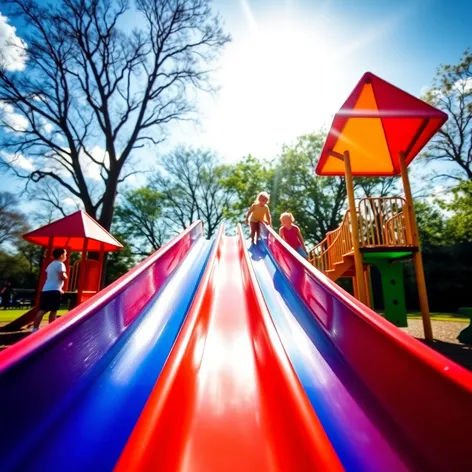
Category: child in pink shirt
[292,235]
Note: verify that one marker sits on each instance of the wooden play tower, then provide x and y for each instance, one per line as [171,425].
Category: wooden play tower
[378,132]
[77,232]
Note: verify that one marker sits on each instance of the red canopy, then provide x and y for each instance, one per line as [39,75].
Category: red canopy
[72,231]
[375,124]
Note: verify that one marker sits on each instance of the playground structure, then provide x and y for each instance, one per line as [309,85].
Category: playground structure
[184,362]
[77,232]
[378,132]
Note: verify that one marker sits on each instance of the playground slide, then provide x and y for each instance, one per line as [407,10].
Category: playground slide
[71,394]
[208,357]
[386,401]
[228,398]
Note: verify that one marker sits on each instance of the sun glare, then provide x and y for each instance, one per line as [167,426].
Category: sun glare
[285,74]
[278,82]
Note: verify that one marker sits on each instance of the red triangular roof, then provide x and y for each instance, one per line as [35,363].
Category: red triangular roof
[376,123]
[71,232]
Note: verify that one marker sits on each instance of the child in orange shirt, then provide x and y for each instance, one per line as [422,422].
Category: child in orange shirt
[258,213]
[292,235]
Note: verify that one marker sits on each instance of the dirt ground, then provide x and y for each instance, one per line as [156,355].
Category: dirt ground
[445,340]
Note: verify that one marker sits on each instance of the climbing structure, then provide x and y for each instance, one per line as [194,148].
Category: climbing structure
[378,132]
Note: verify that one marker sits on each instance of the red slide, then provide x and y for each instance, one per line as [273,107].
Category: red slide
[228,398]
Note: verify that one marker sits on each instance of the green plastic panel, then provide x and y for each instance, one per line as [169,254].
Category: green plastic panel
[393,291]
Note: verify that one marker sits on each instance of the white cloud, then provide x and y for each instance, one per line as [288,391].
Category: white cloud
[464,85]
[17,122]
[12,47]
[48,127]
[92,170]
[19,161]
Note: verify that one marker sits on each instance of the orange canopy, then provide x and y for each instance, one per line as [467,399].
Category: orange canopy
[375,124]
[72,231]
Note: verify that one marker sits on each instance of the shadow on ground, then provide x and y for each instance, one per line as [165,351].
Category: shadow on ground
[459,353]
[9,338]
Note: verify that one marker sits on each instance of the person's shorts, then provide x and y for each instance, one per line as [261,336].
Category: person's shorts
[254,226]
[302,252]
[50,300]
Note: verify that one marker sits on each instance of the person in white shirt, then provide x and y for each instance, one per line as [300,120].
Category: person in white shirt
[52,289]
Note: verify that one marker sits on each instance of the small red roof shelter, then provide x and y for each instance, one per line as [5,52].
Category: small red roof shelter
[77,232]
[73,232]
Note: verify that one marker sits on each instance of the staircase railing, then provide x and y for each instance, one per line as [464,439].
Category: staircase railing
[336,244]
[382,223]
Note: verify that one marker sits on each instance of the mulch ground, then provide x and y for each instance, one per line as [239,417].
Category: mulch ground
[445,340]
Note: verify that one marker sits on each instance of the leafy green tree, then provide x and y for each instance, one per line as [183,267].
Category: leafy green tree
[432,225]
[15,267]
[33,254]
[139,217]
[459,225]
[318,203]
[120,262]
[451,91]
[244,180]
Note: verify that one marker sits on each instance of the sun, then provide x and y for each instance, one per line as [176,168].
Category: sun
[278,81]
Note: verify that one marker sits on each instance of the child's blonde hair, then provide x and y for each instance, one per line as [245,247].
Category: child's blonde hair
[262,194]
[288,215]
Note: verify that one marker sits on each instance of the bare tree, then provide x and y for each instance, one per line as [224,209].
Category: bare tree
[376,186]
[12,221]
[191,183]
[452,92]
[95,90]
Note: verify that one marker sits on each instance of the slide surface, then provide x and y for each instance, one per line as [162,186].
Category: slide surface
[71,393]
[228,399]
[208,357]
[386,401]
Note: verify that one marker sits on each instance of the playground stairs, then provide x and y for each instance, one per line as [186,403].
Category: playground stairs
[384,234]
[342,268]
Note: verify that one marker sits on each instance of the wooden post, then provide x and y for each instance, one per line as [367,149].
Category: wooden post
[80,288]
[417,258]
[355,287]
[67,264]
[359,266]
[44,265]
[367,285]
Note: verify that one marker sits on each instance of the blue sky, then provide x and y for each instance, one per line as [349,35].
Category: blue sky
[293,62]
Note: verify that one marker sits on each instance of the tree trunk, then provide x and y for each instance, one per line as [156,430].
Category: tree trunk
[106,215]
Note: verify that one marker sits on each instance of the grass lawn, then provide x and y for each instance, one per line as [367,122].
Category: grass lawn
[442,317]
[9,315]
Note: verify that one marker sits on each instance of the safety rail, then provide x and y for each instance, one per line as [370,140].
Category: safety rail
[382,223]
[332,249]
